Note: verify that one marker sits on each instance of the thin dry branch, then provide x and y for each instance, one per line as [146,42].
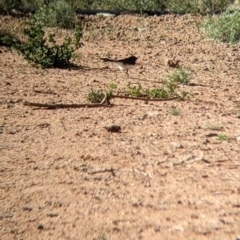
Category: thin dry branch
[145,99]
[65,105]
[104,103]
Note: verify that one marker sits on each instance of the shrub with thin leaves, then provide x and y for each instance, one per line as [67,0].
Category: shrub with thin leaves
[214,6]
[224,27]
[198,6]
[8,39]
[36,49]
[136,5]
[95,96]
[185,6]
[56,14]
[6,6]
[63,8]
[180,76]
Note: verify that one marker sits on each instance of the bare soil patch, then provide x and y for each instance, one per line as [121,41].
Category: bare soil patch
[63,176]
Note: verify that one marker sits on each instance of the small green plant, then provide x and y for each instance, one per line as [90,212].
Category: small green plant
[95,96]
[170,86]
[167,90]
[224,27]
[136,91]
[139,91]
[174,111]
[158,93]
[184,94]
[113,85]
[179,76]
[222,137]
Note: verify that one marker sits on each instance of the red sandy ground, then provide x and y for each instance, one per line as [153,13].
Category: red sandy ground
[173,178]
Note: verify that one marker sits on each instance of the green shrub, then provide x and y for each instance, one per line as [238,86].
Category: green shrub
[7,5]
[8,39]
[95,96]
[213,6]
[36,48]
[139,5]
[198,6]
[64,9]
[185,6]
[225,27]
[56,14]
[180,76]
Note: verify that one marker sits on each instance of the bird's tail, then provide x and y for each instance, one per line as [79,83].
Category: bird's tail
[108,60]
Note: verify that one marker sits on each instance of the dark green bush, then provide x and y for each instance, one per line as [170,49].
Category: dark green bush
[8,39]
[6,6]
[198,6]
[64,9]
[36,49]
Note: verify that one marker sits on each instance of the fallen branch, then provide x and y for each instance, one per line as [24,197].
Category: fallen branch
[104,103]
[144,99]
[65,105]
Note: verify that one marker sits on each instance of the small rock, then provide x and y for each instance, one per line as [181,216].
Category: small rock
[178,228]
[40,226]
[113,128]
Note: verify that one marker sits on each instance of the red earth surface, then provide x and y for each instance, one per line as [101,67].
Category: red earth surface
[172,172]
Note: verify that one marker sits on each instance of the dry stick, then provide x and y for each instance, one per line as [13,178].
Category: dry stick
[145,99]
[64,105]
[105,102]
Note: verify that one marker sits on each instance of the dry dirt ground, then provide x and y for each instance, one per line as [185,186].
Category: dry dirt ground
[63,176]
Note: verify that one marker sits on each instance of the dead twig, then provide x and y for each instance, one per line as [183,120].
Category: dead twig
[65,105]
[145,99]
[111,170]
[104,103]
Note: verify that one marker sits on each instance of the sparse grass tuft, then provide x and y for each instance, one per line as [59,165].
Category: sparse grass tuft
[135,91]
[139,91]
[113,86]
[167,90]
[222,137]
[175,112]
[180,76]
[95,96]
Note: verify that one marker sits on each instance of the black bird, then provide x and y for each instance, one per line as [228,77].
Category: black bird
[123,64]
